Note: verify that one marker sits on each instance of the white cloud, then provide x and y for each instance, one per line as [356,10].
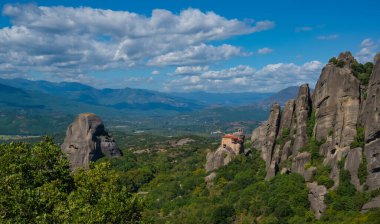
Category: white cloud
[68,41]
[367,52]
[238,71]
[200,54]
[155,72]
[303,29]
[328,37]
[242,78]
[189,70]
[265,50]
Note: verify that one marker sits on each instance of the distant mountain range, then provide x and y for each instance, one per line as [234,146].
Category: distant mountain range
[232,99]
[40,106]
[280,97]
[127,98]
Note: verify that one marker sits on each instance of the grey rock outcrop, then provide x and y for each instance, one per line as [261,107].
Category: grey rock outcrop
[210,178]
[373,204]
[264,137]
[336,103]
[287,117]
[301,116]
[352,163]
[332,159]
[371,121]
[285,151]
[86,140]
[316,197]
[299,162]
[221,157]
[340,107]
[264,140]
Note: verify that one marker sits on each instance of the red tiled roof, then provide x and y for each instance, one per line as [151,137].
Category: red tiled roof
[232,137]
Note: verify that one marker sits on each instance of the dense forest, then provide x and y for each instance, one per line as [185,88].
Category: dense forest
[163,185]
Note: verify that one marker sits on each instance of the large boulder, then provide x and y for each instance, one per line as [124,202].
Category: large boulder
[316,197]
[336,103]
[221,157]
[299,162]
[86,140]
[371,121]
[373,204]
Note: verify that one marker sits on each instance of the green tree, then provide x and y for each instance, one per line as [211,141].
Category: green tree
[33,179]
[101,196]
[37,186]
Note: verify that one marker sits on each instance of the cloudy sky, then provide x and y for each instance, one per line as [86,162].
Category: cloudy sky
[194,45]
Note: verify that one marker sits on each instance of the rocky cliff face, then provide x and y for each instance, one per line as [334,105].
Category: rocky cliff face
[329,119]
[86,140]
[302,112]
[288,127]
[264,138]
[371,121]
[336,103]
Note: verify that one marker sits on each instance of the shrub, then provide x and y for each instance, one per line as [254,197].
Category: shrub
[362,72]
[310,124]
[333,60]
[359,139]
[362,172]
[340,64]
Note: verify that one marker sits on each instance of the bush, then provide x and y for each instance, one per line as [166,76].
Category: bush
[223,214]
[359,139]
[362,171]
[321,175]
[333,60]
[340,64]
[362,72]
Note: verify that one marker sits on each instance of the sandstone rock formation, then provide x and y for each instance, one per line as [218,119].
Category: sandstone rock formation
[287,117]
[336,103]
[221,157]
[332,115]
[291,122]
[263,138]
[299,161]
[352,163]
[316,197]
[231,146]
[371,121]
[301,115]
[86,140]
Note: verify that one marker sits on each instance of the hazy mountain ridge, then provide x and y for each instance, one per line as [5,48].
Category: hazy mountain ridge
[119,98]
[53,103]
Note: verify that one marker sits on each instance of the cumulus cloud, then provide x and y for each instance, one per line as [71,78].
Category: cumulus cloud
[368,49]
[68,41]
[189,70]
[201,54]
[242,78]
[328,37]
[265,50]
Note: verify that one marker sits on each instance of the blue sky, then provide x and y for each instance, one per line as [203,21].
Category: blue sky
[215,46]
